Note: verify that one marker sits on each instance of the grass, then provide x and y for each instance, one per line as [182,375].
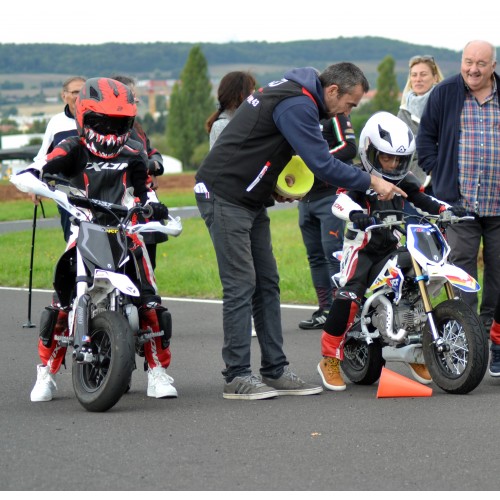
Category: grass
[186,265]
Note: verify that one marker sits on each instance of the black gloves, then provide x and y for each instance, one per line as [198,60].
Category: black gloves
[361,220]
[160,211]
[458,211]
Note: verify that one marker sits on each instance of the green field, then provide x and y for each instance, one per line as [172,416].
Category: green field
[186,265]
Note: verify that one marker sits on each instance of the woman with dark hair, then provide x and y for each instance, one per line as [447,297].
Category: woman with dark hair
[234,88]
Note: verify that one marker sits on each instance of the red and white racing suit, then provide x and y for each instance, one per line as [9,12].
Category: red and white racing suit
[120,180]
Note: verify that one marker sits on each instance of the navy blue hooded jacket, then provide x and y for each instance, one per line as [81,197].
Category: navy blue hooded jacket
[274,123]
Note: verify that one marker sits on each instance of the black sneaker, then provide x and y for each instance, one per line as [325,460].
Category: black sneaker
[290,384]
[316,322]
[248,387]
[495,360]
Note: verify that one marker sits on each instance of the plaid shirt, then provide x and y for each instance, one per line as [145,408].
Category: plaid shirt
[479,155]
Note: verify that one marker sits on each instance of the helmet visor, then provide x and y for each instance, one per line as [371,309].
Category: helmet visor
[109,125]
[392,167]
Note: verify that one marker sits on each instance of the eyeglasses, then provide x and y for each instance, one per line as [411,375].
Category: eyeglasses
[419,59]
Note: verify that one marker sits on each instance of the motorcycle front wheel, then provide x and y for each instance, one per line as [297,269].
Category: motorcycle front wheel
[362,363]
[461,366]
[99,385]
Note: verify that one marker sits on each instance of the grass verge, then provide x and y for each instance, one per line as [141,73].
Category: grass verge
[186,265]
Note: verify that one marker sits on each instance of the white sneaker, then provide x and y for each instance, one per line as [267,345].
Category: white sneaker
[160,384]
[45,385]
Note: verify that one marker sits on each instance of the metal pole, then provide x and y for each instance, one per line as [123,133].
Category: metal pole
[29,324]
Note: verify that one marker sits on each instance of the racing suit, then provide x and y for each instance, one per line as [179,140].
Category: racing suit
[118,181]
[365,253]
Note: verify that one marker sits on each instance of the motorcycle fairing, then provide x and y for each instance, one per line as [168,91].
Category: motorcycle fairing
[456,276]
[426,244]
[101,246]
[106,280]
[390,276]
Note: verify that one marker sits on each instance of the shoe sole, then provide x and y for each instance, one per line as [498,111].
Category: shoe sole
[300,392]
[337,388]
[161,396]
[317,327]
[494,374]
[41,400]
[250,397]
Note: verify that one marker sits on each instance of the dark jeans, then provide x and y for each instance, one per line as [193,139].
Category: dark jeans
[250,283]
[465,240]
[323,234]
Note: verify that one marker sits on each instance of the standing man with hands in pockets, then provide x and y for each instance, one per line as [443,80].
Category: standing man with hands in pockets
[459,143]
[233,183]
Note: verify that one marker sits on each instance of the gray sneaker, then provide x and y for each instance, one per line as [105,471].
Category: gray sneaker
[290,384]
[248,387]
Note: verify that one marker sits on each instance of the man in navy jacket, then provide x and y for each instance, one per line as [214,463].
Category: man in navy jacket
[459,144]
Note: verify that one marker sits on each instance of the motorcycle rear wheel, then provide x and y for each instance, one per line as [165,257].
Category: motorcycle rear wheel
[460,369]
[99,385]
[362,363]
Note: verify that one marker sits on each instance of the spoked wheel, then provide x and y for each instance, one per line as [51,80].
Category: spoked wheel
[461,365]
[100,384]
[362,362]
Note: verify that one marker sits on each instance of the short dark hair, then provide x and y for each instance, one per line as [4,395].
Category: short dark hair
[126,80]
[346,76]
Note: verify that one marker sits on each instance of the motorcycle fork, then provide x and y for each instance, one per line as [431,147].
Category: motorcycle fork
[428,308]
[82,352]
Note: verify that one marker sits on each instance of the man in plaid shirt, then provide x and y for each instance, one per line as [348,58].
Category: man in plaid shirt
[459,144]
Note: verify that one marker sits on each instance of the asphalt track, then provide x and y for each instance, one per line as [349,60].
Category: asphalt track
[202,442]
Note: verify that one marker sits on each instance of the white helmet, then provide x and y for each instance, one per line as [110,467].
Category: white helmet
[386,133]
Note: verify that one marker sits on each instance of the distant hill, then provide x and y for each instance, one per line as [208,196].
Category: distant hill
[166,60]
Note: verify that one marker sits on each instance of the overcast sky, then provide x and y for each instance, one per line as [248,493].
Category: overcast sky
[428,22]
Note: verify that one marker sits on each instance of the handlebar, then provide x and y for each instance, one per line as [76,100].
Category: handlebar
[28,182]
[99,205]
[390,219]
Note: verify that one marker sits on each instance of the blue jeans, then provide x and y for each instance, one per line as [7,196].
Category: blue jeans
[323,234]
[250,284]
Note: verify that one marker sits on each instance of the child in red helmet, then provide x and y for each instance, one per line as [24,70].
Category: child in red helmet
[106,164]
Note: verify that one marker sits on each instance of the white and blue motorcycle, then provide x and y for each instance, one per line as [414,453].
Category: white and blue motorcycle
[410,312]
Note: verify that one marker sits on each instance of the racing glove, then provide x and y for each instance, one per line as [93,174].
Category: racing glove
[458,211]
[160,211]
[361,220]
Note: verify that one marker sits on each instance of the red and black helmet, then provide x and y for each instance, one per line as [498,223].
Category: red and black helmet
[105,113]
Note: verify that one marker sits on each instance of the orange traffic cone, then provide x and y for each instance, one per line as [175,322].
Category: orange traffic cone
[394,385]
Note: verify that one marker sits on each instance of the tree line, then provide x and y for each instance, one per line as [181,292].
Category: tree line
[180,131]
[191,102]
[166,60]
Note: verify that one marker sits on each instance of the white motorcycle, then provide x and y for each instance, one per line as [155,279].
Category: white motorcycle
[97,282]
[410,312]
